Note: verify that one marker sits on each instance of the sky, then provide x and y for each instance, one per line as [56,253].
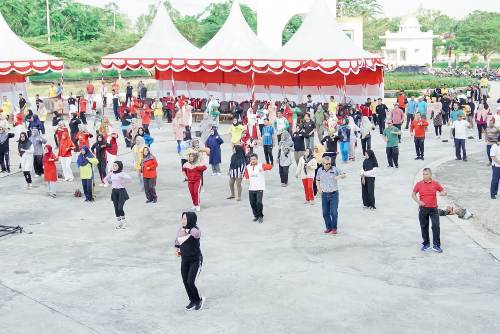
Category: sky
[456,8]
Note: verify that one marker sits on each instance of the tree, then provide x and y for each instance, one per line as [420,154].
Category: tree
[364,8]
[376,27]
[291,27]
[479,33]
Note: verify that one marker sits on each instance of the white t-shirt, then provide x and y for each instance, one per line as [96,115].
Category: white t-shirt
[460,129]
[497,120]
[495,152]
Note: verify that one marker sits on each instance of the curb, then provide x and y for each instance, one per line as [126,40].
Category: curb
[469,230]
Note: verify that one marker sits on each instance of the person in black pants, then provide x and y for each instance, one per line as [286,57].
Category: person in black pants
[4,149]
[370,166]
[381,111]
[187,246]
[428,209]
[128,93]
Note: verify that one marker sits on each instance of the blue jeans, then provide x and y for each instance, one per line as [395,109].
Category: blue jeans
[460,148]
[330,205]
[495,178]
[344,149]
[87,189]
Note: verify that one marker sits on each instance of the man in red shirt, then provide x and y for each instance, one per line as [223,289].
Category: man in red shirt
[146,117]
[417,129]
[402,100]
[427,201]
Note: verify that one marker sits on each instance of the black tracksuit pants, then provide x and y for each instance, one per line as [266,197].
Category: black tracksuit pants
[255,197]
[190,269]
[424,214]
[368,192]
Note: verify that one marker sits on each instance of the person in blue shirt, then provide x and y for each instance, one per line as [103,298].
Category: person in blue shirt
[422,108]
[268,141]
[455,113]
[410,109]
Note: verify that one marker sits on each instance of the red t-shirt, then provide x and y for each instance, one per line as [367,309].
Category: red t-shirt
[427,192]
[401,101]
[90,89]
[418,128]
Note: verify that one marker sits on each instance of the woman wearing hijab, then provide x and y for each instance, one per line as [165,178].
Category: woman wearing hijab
[50,170]
[5,136]
[481,118]
[319,119]
[25,149]
[35,123]
[353,138]
[126,121]
[99,149]
[330,143]
[148,140]
[318,153]
[299,145]
[111,150]
[187,246]
[205,127]
[344,135]
[366,138]
[368,174]
[86,162]
[306,170]
[437,120]
[37,141]
[65,153]
[137,158]
[117,179]
[236,171]
[214,141]
[194,176]
[179,130]
[149,165]
[285,157]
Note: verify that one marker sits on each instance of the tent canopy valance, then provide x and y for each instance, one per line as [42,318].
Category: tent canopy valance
[18,57]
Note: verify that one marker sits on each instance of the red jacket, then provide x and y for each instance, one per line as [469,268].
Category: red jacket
[149,169]
[146,116]
[194,174]
[113,149]
[83,139]
[49,165]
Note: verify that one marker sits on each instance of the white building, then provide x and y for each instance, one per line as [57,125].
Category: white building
[408,46]
[273,16]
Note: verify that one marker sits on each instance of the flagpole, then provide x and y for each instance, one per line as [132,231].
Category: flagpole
[48,20]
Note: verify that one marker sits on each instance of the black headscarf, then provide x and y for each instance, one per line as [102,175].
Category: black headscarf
[238,158]
[307,158]
[120,167]
[23,144]
[371,162]
[191,219]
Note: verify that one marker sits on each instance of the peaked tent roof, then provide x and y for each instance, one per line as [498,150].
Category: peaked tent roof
[321,40]
[161,42]
[17,56]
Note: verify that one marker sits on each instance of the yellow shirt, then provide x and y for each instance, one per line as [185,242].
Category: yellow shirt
[235,132]
[42,114]
[332,107]
[158,109]
[483,82]
[52,92]
[7,107]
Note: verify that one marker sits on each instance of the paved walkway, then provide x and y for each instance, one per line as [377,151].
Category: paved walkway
[73,272]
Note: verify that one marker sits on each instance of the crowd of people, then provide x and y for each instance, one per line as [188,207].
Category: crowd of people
[310,137]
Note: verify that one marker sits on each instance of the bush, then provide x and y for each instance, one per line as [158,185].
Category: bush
[415,82]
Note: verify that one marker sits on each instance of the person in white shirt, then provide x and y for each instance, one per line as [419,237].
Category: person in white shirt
[254,173]
[104,94]
[497,118]
[459,130]
[495,166]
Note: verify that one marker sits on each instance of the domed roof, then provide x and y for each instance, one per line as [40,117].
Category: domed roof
[409,21]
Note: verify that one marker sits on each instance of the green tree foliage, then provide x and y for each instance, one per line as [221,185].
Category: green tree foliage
[376,27]
[291,27]
[480,33]
[364,8]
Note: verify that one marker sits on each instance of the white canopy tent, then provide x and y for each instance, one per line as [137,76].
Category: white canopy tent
[18,59]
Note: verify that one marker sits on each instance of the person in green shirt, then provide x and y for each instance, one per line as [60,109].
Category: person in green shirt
[86,162]
[391,134]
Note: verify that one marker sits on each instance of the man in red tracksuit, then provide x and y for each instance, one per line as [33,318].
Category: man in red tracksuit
[194,174]
[417,129]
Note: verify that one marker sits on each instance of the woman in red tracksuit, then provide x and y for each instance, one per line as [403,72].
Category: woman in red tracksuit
[194,173]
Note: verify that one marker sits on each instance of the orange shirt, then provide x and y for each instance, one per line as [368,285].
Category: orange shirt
[418,128]
[19,118]
[402,101]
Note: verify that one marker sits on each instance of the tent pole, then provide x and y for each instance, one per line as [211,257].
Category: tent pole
[173,83]
[253,89]
[344,90]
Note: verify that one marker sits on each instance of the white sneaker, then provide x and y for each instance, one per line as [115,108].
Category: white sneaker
[70,179]
[193,208]
[219,174]
[101,184]
[124,224]
[197,208]
[106,185]
[214,174]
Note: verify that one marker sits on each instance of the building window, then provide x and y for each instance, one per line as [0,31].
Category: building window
[391,55]
[402,55]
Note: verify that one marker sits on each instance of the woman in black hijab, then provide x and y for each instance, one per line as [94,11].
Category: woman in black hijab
[368,174]
[236,171]
[187,246]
